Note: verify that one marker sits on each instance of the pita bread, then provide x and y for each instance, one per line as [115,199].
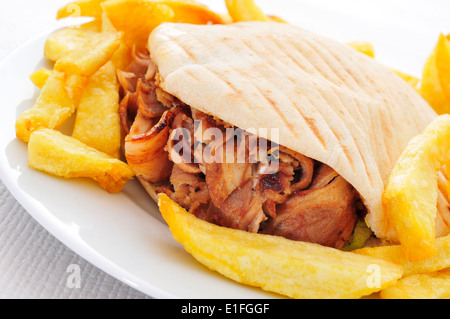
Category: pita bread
[330,102]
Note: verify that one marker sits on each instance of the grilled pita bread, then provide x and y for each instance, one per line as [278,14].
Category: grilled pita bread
[330,102]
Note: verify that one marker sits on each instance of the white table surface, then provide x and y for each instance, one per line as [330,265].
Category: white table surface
[34,264]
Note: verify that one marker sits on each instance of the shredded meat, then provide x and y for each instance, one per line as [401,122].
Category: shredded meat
[298,198]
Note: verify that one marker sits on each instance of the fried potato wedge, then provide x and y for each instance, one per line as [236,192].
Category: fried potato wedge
[396,254]
[136,18]
[40,76]
[295,269]
[122,57]
[421,286]
[363,47]
[97,122]
[147,15]
[443,65]
[91,57]
[410,196]
[60,155]
[191,12]
[273,18]
[81,8]
[245,10]
[53,107]
[66,40]
[434,76]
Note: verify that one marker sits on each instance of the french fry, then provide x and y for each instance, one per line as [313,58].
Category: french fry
[245,10]
[276,19]
[60,155]
[191,12]
[292,268]
[53,107]
[410,197]
[81,8]
[443,65]
[122,57]
[66,40]
[91,57]
[434,76]
[421,286]
[146,15]
[396,254]
[97,122]
[363,47]
[40,76]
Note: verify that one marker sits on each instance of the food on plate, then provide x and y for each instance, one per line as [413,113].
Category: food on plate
[263,143]
[293,268]
[194,82]
[100,99]
[396,254]
[435,79]
[57,154]
[334,158]
[411,195]
[421,286]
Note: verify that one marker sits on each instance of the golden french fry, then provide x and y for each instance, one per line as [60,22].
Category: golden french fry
[443,65]
[292,268]
[69,39]
[122,57]
[52,108]
[39,77]
[91,57]
[226,18]
[136,18]
[421,286]
[97,122]
[81,8]
[410,197]
[276,19]
[245,10]
[431,87]
[60,155]
[191,12]
[363,47]
[396,254]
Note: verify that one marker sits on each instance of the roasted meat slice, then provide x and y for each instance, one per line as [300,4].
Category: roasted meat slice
[324,216]
[144,150]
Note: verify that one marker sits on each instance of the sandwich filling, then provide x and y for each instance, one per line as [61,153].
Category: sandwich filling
[249,186]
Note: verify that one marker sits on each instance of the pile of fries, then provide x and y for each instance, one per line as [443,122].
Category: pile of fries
[83,84]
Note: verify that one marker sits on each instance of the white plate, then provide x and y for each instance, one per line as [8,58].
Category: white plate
[123,234]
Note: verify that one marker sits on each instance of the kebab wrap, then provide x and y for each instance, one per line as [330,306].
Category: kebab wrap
[342,120]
